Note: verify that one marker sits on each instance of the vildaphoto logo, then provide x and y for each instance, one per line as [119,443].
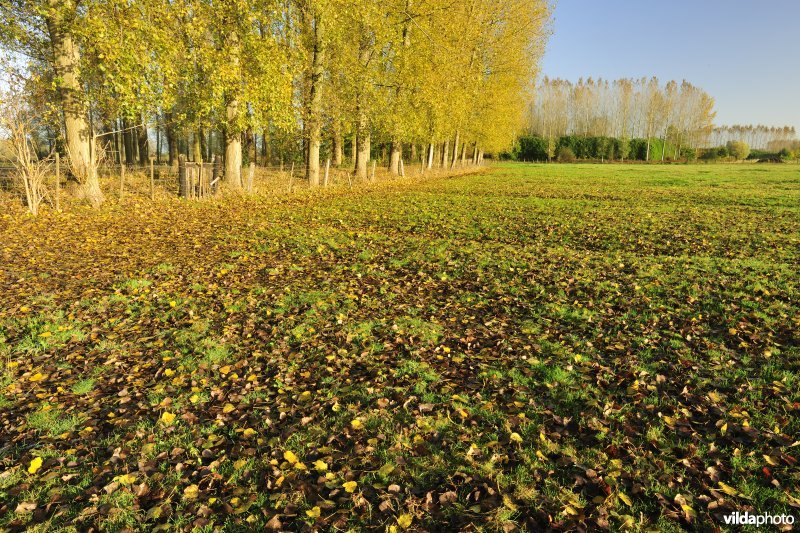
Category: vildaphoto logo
[765,519]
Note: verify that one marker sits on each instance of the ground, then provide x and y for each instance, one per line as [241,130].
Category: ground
[533,346]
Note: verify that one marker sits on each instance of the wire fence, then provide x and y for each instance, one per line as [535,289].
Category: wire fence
[162,180]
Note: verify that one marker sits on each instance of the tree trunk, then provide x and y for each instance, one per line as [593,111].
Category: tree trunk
[203,145]
[127,141]
[455,151]
[315,105]
[445,153]
[233,137]
[172,140]
[144,143]
[429,165]
[197,147]
[79,136]
[394,157]
[362,147]
[353,150]
[338,154]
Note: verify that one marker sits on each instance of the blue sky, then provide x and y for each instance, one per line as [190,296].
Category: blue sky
[746,54]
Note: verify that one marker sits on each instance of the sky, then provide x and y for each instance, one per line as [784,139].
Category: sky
[745,54]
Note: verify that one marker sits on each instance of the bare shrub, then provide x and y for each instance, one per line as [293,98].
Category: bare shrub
[30,171]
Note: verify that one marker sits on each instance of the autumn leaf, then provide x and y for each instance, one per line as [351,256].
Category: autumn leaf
[320,465]
[191,492]
[350,486]
[405,520]
[125,479]
[167,418]
[35,465]
[314,512]
[290,457]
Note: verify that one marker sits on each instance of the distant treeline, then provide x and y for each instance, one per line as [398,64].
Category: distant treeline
[568,148]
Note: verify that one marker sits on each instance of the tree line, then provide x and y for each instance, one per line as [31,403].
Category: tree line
[244,79]
[767,138]
[676,114]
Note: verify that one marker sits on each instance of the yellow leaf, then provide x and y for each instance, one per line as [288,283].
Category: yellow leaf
[36,464]
[320,465]
[228,408]
[300,466]
[125,479]
[172,303]
[314,512]
[356,423]
[225,369]
[249,432]
[770,460]
[290,457]
[191,492]
[350,486]
[194,398]
[45,334]
[727,489]
[239,463]
[404,520]
[516,437]
[36,377]
[624,497]
[169,372]
[167,418]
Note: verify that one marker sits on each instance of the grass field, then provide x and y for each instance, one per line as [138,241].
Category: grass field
[600,345]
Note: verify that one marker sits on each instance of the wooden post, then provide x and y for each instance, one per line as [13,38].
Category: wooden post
[250,175]
[372,178]
[327,169]
[402,169]
[182,188]
[58,182]
[152,180]
[121,180]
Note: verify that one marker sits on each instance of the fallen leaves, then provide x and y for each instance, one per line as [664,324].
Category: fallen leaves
[412,349]
[34,465]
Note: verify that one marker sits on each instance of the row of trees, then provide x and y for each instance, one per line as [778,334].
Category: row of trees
[678,114]
[244,74]
[769,138]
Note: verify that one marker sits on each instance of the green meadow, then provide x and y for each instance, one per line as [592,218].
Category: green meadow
[528,347]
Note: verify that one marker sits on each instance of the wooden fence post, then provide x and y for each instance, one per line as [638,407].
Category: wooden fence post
[152,180]
[182,185]
[327,169]
[58,182]
[121,180]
